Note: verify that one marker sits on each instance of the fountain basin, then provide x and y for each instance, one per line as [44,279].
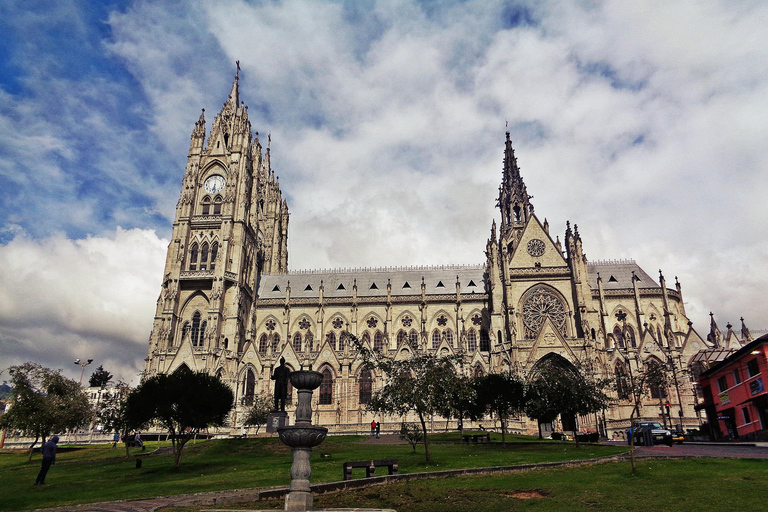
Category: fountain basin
[297,436]
[306,379]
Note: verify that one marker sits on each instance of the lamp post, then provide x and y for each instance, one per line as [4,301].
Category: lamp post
[82,365]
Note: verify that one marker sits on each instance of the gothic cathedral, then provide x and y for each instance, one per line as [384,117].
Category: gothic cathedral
[229,306]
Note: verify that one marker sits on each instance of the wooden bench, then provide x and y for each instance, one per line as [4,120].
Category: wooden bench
[370,467]
[475,438]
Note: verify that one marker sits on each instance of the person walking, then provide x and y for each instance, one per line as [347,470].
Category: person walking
[115,439]
[373,428]
[49,457]
[378,429]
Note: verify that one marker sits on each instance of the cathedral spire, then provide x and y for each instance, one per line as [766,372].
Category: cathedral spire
[234,95]
[514,201]
[715,337]
[745,335]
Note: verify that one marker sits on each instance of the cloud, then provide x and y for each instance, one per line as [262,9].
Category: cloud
[641,123]
[64,299]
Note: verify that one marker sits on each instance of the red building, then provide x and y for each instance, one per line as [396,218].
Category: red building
[735,397]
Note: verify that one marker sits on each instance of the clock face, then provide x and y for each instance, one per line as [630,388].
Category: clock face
[214,184]
[535,247]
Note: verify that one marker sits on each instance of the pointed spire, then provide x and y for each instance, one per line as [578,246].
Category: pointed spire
[513,196]
[715,336]
[745,335]
[234,95]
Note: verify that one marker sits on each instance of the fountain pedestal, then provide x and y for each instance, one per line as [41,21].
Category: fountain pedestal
[301,437]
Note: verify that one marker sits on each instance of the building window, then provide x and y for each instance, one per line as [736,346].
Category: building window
[195,328]
[297,342]
[275,342]
[330,338]
[366,387]
[204,256]
[471,340]
[752,368]
[249,387]
[326,388]
[736,378]
[722,383]
[342,340]
[214,254]
[413,337]
[631,337]
[485,341]
[193,257]
[263,344]
[217,205]
[622,386]
[309,341]
[449,337]
[378,341]
[619,336]
[401,338]
[184,330]
[435,339]
[745,413]
[206,205]
[366,339]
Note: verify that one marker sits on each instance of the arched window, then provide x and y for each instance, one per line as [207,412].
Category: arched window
[619,336]
[656,379]
[378,341]
[214,255]
[275,342]
[658,333]
[204,256]
[366,338]
[195,328]
[622,383]
[206,205]
[485,341]
[342,340]
[435,339]
[402,338]
[413,337]
[297,342]
[309,341]
[249,386]
[331,339]
[631,337]
[471,340]
[184,330]
[449,337]
[202,333]
[326,388]
[193,257]
[217,205]
[263,344]
[366,387]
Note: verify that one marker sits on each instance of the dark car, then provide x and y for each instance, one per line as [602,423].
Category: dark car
[658,433]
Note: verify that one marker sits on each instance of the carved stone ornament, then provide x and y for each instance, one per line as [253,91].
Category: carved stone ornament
[540,305]
[536,247]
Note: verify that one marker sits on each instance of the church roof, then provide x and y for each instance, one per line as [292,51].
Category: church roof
[372,282]
[618,274]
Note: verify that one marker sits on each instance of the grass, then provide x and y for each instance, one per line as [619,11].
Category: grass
[87,474]
[659,485]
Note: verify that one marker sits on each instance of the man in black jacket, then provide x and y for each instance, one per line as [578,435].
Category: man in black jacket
[49,457]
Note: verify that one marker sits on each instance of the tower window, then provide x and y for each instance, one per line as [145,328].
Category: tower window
[214,254]
[217,205]
[206,205]
[204,257]
[195,328]
[193,257]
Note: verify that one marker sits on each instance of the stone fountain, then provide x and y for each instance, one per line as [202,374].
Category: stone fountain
[301,437]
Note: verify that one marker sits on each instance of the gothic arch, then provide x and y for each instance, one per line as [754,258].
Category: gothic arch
[540,302]
[398,321]
[215,166]
[378,322]
[556,360]
[299,321]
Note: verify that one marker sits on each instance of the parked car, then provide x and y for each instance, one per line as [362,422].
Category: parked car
[658,433]
[678,437]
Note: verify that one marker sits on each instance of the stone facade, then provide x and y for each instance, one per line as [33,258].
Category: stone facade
[229,306]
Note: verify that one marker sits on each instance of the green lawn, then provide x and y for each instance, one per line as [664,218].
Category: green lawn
[90,474]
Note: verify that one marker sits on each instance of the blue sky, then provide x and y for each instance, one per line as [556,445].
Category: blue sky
[641,122]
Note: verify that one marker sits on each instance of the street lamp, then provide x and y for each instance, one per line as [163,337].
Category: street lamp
[82,364]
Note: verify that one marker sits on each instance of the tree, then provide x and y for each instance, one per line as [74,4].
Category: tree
[461,401]
[569,391]
[111,411]
[259,413]
[503,394]
[420,384]
[411,433]
[183,402]
[44,402]
[100,378]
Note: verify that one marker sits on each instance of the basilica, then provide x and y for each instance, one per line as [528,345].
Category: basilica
[230,306]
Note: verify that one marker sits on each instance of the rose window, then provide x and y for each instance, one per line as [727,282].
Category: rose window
[476,320]
[441,321]
[372,322]
[270,325]
[304,323]
[538,306]
[536,247]
[407,321]
[337,323]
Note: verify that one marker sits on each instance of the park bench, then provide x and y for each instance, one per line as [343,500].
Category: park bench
[370,467]
[475,438]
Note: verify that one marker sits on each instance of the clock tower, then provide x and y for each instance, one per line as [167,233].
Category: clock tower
[231,226]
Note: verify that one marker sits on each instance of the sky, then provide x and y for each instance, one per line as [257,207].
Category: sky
[642,122]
